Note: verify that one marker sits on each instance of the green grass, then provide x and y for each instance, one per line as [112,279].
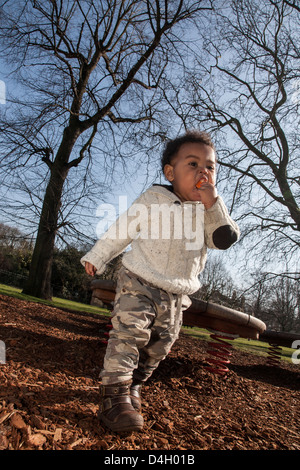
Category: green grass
[250,346]
[56,302]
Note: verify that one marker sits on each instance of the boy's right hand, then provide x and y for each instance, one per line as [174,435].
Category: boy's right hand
[90,269]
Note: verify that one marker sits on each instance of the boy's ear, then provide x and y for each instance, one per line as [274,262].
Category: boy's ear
[168,172]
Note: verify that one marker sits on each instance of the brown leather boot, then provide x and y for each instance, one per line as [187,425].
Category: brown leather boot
[117,412]
[135,395]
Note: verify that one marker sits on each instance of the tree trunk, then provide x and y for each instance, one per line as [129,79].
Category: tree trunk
[39,281]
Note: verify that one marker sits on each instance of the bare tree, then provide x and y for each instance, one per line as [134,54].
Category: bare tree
[215,281]
[284,309]
[275,300]
[12,238]
[248,95]
[91,66]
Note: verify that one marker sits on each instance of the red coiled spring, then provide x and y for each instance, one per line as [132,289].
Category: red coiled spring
[274,354]
[105,332]
[221,351]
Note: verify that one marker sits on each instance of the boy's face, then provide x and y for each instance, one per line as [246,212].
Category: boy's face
[193,162]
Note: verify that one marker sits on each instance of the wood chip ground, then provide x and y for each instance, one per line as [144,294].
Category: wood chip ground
[49,395]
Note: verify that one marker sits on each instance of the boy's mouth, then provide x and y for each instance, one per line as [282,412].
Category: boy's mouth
[201,181]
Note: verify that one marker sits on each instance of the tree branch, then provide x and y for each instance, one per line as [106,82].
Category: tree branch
[77,161]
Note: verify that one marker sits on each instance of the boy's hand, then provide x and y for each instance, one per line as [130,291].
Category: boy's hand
[208,194]
[90,269]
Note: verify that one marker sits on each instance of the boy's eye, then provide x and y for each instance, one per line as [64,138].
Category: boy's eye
[195,165]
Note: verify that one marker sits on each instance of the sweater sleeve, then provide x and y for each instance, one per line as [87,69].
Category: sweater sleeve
[220,230]
[115,240]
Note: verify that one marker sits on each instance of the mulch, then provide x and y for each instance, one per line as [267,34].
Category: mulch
[49,395]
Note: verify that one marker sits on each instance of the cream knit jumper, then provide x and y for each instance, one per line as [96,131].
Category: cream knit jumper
[170,262]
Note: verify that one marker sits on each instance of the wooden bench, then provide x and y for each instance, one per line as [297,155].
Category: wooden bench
[224,324]
[200,314]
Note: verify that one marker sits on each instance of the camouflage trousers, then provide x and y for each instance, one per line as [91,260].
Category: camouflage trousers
[146,322]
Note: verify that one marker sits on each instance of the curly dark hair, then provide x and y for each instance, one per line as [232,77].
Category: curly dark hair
[172,147]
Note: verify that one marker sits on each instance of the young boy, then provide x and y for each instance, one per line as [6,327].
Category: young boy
[159,272]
